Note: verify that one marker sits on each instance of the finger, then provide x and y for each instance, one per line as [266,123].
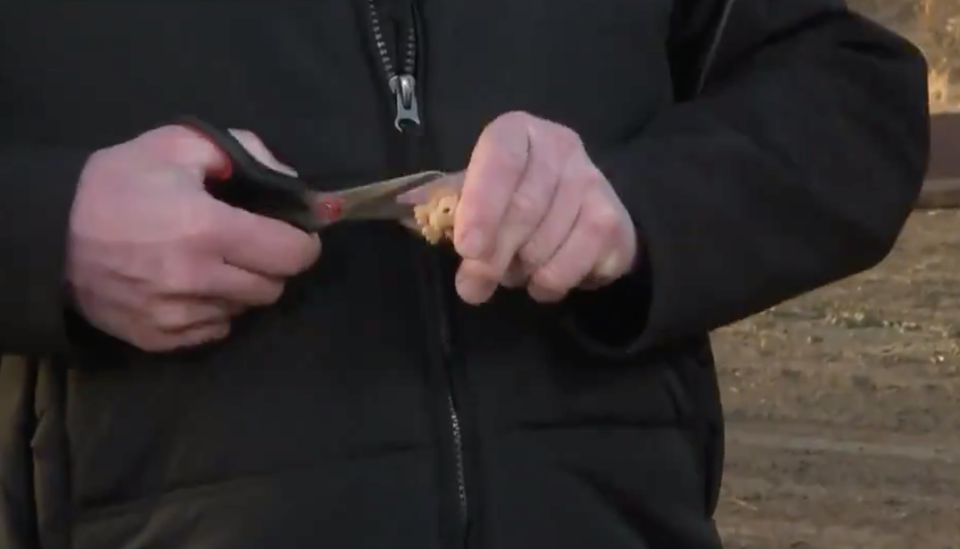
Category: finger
[475,285]
[556,226]
[495,170]
[595,229]
[262,245]
[530,203]
[533,197]
[611,265]
[190,148]
[259,150]
[209,279]
[181,314]
[621,251]
[478,279]
[515,277]
[243,288]
[195,336]
[158,341]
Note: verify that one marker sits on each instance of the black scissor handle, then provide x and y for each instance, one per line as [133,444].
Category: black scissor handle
[253,186]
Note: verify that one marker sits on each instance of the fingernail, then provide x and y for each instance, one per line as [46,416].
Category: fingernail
[608,267]
[471,245]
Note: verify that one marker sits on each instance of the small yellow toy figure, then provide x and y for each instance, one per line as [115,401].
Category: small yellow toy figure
[435,218]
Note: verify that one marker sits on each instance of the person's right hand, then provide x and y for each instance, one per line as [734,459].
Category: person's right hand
[155,261]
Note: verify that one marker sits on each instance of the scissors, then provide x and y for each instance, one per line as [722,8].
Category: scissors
[257,188]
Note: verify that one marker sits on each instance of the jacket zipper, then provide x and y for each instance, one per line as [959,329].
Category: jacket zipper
[402,83]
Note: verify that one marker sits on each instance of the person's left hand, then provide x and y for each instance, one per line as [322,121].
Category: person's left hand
[536,212]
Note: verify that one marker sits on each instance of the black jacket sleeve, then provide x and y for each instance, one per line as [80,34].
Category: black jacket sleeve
[796,166]
[37,188]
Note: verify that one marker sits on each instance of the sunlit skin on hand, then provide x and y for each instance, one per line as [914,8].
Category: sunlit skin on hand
[536,212]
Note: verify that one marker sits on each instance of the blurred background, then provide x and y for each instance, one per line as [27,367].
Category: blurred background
[934,26]
[843,406]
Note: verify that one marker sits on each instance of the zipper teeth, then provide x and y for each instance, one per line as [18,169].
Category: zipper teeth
[409,58]
[446,345]
[458,446]
[410,54]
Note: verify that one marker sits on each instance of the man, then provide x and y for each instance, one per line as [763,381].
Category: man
[637,174]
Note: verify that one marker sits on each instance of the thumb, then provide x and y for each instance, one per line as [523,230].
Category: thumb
[191,148]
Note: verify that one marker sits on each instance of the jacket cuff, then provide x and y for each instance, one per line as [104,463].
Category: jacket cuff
[610,321]
[626,318]
[36,198]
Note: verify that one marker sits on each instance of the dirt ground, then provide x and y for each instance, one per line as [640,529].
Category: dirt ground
[844,408]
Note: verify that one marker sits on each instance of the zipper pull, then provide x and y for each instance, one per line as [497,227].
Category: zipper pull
[404,88]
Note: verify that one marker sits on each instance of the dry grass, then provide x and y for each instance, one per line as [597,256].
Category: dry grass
[934,26]
[843,407]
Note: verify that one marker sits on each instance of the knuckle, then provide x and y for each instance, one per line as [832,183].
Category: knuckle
[197,221]
[511,159]
[177,145]
[533,253]
[515,117]
[565,139]
[593,177]
[550,279]
[176,276]
[506,141]
[602,221]
[563,142]
[586,175]
[504,155]
[526,206]
[201,225]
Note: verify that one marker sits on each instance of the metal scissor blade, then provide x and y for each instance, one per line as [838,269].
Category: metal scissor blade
[379,200]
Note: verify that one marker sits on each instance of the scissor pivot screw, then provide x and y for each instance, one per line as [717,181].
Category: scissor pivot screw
[330,210]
